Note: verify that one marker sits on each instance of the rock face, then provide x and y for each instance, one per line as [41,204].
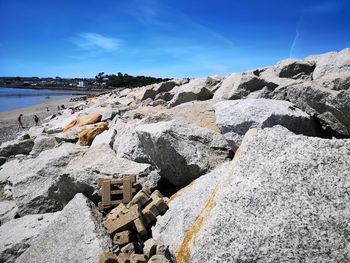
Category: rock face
[194,90]
[235,118]
[42,143]
[285,198]
[8,210]
[83,120]
[76,235]
[332,62]
[87,136]
[181,152]
[184,207]
[16,147]
[39,185]
[101,161]
[18,234]
[297,69]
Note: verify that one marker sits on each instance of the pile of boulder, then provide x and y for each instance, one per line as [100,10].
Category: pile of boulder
[253,166]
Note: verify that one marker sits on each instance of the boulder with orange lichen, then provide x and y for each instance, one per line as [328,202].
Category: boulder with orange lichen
[84,120]
[87,136]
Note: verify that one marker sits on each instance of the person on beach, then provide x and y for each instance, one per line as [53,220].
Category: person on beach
[58,108]
[20,121]
[47,109]
[36,119]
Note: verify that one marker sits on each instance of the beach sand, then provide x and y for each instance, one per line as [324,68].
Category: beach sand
[9,127]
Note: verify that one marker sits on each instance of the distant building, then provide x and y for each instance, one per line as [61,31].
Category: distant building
[81,84]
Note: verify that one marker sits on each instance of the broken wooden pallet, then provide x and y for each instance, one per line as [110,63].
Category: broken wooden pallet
[116,191]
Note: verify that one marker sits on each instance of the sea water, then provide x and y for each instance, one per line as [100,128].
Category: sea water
[13,98]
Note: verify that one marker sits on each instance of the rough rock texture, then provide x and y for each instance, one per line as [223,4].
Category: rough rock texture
[106,137]
[297,69]
[18,234]
[184,207]
[42,143]
[332,62]
[194,90]
[285,198]
[88,135]
[235,118]
[8,210]
[240,85]
[332,105]
[40,185]
[83,120]
[181,152]
[16,147]
[76,235]
[101,161]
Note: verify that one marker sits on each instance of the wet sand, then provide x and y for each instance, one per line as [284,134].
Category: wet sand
[9,127]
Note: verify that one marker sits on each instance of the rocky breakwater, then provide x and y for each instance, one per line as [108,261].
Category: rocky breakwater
[253,166]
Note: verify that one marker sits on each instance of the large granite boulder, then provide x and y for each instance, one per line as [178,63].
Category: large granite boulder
[240,85]
[16,147]
[235,118]
[8,211]
[18,234]
[332,62]
[101,161]
[76,235]
[39,184]
[42,143]
[196,89]
[184,207]
[331,104]
[181,152]
[284,198]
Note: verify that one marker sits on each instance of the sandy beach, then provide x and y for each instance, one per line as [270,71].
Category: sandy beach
[9,127]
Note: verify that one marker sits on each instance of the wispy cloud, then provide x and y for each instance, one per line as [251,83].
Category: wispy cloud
[93,42]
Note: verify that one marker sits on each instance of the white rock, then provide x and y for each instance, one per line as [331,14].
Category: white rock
[18,234]
[76,235]
[285,198]
[235,118]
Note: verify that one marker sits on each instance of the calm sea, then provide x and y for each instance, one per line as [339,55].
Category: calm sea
[13,98]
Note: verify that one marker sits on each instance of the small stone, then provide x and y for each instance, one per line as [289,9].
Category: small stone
[159,259]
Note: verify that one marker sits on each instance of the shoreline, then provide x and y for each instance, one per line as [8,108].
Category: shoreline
[66,88]
[9,127]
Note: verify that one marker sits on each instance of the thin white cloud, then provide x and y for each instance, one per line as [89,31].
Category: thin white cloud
[292,47]
[94,42]
[327,7]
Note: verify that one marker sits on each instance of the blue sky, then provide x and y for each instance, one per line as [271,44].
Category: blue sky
[79,38]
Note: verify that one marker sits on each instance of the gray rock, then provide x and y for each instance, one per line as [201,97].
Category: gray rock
[238,86]
[181,152]
[109,113]
[235,118]
[184,208]
[332,105]
[101,161]
[16,147]
[23,136]
[18,234]
[159,259]
[285,198]
[166,86]
[332,62]
[2,160]
[149,93]
[166,96]
[297,69]
[40,185]
[76,235]
[8,210]
[194,90]
[42,143]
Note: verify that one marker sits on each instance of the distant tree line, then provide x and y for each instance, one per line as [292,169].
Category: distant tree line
[125,80]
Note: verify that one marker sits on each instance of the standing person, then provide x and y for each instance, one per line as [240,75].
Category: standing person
[58,108]
[20,121]
[47,109]
[36,119]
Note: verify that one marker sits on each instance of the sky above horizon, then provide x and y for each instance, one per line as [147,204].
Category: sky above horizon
[76,38]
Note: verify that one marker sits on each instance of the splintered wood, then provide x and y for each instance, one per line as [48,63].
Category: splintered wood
[116,191]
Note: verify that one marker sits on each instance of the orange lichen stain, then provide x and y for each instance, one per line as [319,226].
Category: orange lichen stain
[184,253]
[178,193]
